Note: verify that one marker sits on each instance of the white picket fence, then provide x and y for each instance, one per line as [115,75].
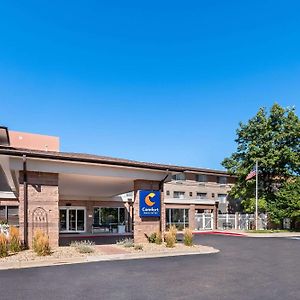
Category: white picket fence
[205,221]
[241,221]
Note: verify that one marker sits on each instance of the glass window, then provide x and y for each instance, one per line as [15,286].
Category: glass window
[222,179]
[177,217]
[71,219]
[222,198]
[180,176]
[3,217]
[13,215]
[63,219]
[201,178]
[109,216]
[201,195]
[179,195]
[9,214]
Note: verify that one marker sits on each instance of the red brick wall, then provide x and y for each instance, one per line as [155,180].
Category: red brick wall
[42,193]
[146,226]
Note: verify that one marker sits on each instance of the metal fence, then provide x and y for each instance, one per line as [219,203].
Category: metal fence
[241,221]
[204,221]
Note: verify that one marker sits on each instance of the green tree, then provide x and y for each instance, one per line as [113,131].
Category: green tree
[273,139]
[287,204]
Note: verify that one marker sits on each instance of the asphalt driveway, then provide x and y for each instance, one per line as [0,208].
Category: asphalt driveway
[246,268]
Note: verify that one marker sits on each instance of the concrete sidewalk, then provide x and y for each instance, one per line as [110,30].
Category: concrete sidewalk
[105,257]
[248,234]
[274,234]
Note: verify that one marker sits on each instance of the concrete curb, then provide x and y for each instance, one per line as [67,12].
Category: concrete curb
[273,235]
[114,257]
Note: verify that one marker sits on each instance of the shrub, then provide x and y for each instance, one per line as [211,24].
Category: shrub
[3,246]
[158,239]
[173,231]
[14,239]
[188,237]
[138,247]
[170,239]
[127,243]
[83,246]
[152,237]
[40,243]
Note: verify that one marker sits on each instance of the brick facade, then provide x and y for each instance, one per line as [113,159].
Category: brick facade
[146,226]
[42,196]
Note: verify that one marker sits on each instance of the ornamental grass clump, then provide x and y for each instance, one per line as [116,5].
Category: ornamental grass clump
[127,243]
[40,243]
[173,231]
[83,246]
[14,240]
[170,239]
[3,245]
[158,238]
[188,237]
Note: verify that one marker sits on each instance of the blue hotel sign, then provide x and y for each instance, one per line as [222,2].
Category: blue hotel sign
[149,203]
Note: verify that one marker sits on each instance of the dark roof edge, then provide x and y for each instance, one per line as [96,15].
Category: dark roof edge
[86,158]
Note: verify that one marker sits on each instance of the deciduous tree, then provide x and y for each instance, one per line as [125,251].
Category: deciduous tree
[273,139]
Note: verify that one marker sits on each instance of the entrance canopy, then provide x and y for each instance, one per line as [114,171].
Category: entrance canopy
[81,176]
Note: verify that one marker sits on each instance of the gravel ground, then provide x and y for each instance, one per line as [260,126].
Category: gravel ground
[179,247]
[59,252]
[71,252]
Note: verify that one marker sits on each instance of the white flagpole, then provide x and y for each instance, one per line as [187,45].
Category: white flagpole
[256,197]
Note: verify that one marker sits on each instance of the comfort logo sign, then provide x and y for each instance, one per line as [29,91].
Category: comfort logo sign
[149,203]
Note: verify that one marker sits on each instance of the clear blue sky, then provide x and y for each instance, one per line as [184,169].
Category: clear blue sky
[160,81]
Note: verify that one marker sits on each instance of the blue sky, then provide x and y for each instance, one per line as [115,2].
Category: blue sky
[160,81]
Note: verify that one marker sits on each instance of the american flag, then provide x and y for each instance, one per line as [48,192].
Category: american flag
[251,174]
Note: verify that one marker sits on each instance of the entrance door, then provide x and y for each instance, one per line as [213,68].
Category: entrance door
[72,219]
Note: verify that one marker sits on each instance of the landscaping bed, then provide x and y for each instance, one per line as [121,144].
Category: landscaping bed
[154,248]
[56,253]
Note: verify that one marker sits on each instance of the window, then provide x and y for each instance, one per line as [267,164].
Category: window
[213,195]
[191,194]
[179,195]
[109,218]
[179,176]
[201,178]
[177,217]
[10,215]
[222,180]
[72,219]
[168,193]
[222,198]
[201,195]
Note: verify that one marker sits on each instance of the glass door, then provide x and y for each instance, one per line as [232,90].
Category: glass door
[72,219]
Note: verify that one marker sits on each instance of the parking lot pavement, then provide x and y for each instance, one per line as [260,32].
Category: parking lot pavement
[246,268]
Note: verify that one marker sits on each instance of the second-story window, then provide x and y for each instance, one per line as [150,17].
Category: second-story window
[222,198]
[201,195]
[222,179]
[201,178]
[179,195]
[179,176]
